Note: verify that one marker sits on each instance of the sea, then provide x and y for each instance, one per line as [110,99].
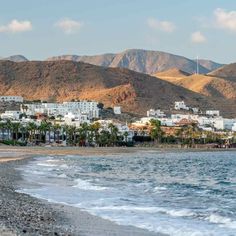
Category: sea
[175,193]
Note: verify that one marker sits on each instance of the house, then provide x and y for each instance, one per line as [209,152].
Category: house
[12,115]
[213,113]
[76,119]
[181,106]
[155,113]
[11,99]
[234,127]
[117,110]
[88,108]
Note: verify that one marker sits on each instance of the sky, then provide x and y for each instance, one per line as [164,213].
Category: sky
[39,29]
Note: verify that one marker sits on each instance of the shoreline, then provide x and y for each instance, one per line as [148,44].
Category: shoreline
[29,151]
[22,214]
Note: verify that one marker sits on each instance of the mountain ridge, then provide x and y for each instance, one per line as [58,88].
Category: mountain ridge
[144,61]
[67,80]
[140,60]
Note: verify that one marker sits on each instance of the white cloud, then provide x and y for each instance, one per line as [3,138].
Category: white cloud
[69,26]
[198,37]
[225,20]
[165,26]
[16,26]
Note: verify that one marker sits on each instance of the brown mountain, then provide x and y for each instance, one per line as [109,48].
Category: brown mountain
[219,84]
[227,71]
[174,72]
[210,65]
[144,61]
[15,58]
[66,80]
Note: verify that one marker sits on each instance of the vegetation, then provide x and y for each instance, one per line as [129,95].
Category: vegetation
[48,131]
[16,133]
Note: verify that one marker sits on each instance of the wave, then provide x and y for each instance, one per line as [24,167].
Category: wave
[86,185]
[174,213]
[46,165]
[223,221]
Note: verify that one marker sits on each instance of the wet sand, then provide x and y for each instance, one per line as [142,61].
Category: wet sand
[21,214]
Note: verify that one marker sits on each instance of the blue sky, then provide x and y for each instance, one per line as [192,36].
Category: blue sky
[42,28]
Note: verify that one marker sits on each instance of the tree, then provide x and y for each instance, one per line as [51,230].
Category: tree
[104,138]
[31,127]
[95,127]
[15,130]
[9,129]
[2,128]
[114,133]
[100,105]
[126,134]
[56,130]
[43,129]
[156,133]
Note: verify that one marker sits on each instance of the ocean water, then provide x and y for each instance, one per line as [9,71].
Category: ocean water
[183,193]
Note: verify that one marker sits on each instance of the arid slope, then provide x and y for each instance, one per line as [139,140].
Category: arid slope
[66,80]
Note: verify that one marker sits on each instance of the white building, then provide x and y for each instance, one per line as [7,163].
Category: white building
[195,110]
[76,119]
[213,113]
[55,109]
[234,127]
[13,115]
[167,122]
[221,123]
[155,113]
[117,110]
[11,99]
[181,106]
[123,129]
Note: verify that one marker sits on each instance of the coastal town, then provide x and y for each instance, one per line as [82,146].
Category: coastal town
[82,123]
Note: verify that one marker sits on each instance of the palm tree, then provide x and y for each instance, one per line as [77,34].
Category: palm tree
[23,131]
[2,128]
[15,130]
[9,129]
[95,127]
[56,130]
[104,138]
[114,133]
[126,134]
[156,133]
[31,127]
[43,129]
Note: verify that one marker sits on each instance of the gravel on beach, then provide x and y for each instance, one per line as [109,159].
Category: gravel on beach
[21,214]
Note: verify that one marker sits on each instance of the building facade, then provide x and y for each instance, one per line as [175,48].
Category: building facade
[11,99]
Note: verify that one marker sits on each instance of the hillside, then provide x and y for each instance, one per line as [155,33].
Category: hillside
[66,80]
[204,84]
[15,58]
[227,71]
[210,65]
[174,72]
[143,61]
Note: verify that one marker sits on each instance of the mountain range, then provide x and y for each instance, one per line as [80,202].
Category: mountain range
[136,92]
[143,61]
[220,83]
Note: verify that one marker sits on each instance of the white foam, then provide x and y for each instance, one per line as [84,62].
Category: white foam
[223,221]
[180,213]
[47,165]
[85,185]
[62,176]
[174,213]
[64,166]
[160,188]
[129,208]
